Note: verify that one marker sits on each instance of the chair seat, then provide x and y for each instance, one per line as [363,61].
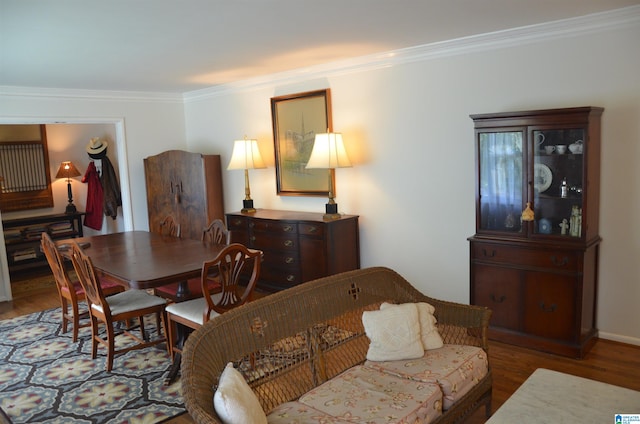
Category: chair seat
[193,310]
[131,300]
[170,291]
[108,288]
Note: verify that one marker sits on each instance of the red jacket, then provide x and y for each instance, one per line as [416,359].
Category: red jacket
[93,217]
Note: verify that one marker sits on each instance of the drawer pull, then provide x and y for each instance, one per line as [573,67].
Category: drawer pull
[551,308]
[487,254]
[253,239]
[252,224]
[498,299]
[288,243]
[287,228]
[288,260]
[313,229]
[556,262]
[290,278]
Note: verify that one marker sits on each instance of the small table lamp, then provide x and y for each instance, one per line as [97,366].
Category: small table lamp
[329,153]
[246,155]
[68,170]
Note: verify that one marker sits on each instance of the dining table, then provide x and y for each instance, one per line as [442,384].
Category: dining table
[145,260]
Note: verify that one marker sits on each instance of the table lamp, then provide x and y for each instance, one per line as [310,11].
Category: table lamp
[246,155]
[328,153]
[68,170]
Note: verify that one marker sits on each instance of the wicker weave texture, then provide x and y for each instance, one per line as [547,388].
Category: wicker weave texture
[289,342]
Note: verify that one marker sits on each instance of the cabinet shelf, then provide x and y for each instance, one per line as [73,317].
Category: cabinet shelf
[22,238]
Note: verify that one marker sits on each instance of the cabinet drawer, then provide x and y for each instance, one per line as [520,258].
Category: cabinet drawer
[281,278]
[275,227]
[268,242]
[237,223]
[281,260]
[311,229]
[551,259]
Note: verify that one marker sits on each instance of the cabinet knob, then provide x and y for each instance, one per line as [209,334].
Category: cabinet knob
[288,243]
[556,262]
[288,260]
[488,254]
[498,299]
[291,278]
[551,308]
[287,228]
[253,239]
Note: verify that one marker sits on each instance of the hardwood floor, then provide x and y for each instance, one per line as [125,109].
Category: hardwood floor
[608,361]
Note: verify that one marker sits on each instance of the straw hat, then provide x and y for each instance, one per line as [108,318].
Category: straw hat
[97,148]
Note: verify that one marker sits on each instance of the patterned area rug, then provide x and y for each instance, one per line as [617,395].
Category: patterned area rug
[46,378]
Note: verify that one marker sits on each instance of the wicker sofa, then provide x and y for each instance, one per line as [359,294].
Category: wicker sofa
[291,342]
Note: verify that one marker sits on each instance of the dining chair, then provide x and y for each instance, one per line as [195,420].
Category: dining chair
[238,270]
[124,306]
[170,227]
[70,291]
[216,233]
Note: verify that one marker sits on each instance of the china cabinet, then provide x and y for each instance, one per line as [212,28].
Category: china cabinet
[534,257]
[297,246]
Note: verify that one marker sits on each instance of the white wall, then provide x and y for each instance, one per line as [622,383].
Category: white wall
[409,135]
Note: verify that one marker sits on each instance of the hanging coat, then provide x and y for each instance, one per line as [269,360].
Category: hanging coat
[111,189]
[93,215]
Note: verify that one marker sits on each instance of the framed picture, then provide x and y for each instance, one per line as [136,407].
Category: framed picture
[297,118]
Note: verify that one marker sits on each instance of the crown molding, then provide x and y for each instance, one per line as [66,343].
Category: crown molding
[588,24]
[76,94]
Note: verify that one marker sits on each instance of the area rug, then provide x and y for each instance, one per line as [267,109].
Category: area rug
[47,378]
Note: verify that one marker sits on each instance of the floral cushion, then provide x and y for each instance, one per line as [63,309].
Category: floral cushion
[455,368]
[299,413]
[362,394]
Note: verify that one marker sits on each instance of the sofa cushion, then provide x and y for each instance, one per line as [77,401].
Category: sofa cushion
[394,333]
[234,401]
[299,413]
[455,368]
[366,395]
[429,335]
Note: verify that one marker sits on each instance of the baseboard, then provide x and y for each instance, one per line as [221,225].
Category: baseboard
[619,338]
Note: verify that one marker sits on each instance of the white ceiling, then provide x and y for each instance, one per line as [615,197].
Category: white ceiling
[176,46]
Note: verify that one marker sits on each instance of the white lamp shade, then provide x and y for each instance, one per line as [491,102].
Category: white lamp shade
[246,155]
[328,152]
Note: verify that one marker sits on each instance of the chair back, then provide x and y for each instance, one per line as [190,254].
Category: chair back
[237,269]
[56,263]
[87,277]
[217,233]
[170,227]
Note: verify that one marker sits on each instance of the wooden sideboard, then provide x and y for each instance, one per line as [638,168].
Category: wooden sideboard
[297,246]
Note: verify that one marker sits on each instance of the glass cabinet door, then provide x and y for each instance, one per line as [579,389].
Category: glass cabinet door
[501,167]
[558,181]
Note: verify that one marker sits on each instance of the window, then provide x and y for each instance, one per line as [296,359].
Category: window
[25,181]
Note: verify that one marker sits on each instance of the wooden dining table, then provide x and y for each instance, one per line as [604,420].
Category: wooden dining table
[145,260]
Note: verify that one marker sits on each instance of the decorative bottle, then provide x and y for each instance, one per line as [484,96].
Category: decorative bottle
[564,188]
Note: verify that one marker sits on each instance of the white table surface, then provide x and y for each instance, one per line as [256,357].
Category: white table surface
[554,397]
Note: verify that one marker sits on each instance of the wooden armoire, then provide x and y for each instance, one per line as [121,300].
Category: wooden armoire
[187,186]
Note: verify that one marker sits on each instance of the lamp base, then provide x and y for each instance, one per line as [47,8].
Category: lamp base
[248,206]
[331,212]
[71,208]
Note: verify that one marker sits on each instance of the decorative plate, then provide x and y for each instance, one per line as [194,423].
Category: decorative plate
[541,177]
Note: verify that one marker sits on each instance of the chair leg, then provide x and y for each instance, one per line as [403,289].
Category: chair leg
[111,346]
[94,337]
[65,319]
[76,321]
[142,332]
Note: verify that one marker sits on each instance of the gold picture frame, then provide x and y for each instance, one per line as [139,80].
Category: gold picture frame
[296,119]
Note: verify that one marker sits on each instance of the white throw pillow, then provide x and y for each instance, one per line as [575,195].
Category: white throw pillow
[234,401]
[394,333]
[429,335]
